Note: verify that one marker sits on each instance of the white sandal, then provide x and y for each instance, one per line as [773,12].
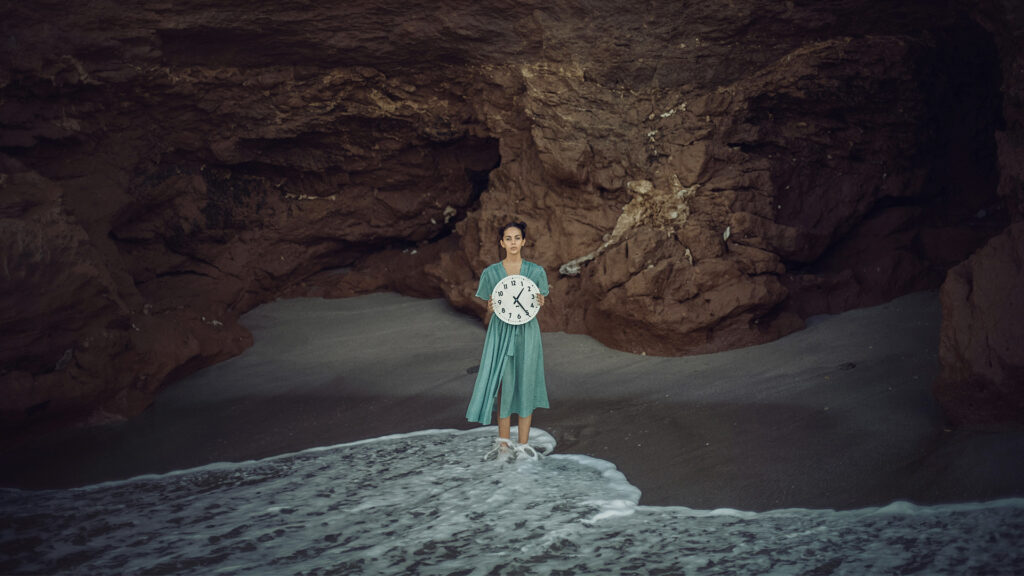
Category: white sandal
[501,446]
[527,451]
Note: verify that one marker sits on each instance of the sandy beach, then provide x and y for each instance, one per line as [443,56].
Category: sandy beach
[838,415]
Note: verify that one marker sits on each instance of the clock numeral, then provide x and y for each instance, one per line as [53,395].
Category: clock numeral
[519,316]
[513,282]
[500,293]
[504,285]
[502,310]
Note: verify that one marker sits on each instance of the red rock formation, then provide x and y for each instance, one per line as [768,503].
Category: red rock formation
[982,378]
[695,177]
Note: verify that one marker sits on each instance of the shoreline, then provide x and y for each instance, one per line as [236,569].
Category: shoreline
[839,415]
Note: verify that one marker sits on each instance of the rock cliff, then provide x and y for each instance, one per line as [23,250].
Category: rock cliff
[982,378]
[695,177]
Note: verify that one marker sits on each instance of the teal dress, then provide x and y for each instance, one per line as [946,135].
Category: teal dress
[513,357]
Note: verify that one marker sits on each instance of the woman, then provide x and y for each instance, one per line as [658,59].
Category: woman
[511,376]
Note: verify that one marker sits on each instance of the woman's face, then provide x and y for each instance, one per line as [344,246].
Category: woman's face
[512,240]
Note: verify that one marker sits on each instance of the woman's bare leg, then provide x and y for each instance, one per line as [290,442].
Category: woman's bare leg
[504,424]
[524,428]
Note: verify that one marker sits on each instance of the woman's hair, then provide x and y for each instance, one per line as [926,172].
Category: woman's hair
[520,225]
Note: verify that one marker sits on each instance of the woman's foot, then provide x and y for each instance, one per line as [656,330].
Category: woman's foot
[502,451]
[528,452]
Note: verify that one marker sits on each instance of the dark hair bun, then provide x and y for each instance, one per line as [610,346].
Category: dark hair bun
[520,225]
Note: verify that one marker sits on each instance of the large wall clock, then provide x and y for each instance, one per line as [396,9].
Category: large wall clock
[514,299]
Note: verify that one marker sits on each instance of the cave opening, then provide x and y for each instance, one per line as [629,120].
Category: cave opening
[462,167]
[479,181]
[475,157]
[951,207]
[962,83]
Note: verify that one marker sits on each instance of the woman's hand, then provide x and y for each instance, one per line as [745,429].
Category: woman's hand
[490,306]
[540,299]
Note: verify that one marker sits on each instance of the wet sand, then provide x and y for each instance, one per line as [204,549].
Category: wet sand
[839,415]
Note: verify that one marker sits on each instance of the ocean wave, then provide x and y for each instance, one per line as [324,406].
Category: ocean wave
[425,503]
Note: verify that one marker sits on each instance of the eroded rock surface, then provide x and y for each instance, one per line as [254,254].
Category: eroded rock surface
[982,379]
[695,177]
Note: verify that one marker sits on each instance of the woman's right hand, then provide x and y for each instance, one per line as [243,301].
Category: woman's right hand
[490,306]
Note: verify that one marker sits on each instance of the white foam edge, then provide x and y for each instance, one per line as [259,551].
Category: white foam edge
[613,508]
[607,469]
[896,508]
[231,464]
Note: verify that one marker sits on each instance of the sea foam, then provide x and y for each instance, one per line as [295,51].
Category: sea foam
[425,503]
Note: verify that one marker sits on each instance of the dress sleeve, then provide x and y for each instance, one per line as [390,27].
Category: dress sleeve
[487,282]
[540,277]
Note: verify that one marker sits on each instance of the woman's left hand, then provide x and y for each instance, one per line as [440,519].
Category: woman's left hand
[540,299]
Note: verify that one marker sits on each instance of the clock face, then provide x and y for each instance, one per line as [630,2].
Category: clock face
[514,299]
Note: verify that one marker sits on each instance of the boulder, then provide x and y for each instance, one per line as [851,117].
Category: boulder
[982,379]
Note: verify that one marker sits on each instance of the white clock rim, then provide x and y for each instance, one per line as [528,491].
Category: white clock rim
[494,296]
